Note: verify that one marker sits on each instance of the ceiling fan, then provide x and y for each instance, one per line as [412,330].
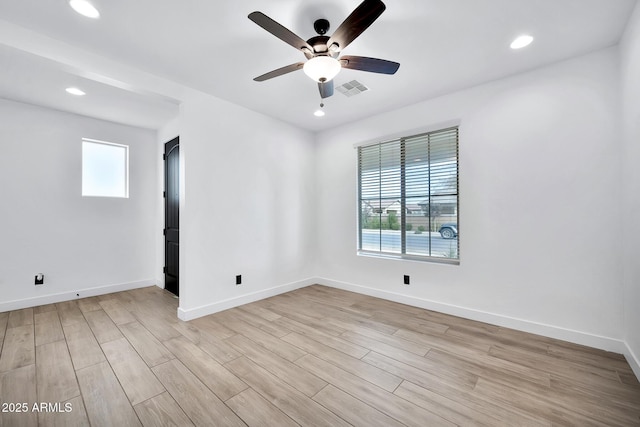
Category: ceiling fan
[322,51]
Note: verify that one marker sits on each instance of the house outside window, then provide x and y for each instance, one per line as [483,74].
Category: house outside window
[408,197]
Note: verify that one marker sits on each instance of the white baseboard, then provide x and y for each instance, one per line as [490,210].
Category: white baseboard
[577,337]
[205,310]
[71,295]
[633,360]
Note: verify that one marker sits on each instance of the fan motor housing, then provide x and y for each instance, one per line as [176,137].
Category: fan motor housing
[319,44]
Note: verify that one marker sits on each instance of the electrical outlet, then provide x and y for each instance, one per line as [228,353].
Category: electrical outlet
[406,279]
[239,279]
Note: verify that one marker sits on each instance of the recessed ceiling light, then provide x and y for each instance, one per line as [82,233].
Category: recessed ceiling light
[319,112]
[75,91]
[521,41]
[83,7]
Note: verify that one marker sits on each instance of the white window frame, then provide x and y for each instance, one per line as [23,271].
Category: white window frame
[86,192]
[386,178]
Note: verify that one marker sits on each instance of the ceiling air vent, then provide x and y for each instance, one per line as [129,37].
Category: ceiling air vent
[354,87]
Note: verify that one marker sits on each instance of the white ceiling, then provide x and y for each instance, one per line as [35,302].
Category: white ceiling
[142,57]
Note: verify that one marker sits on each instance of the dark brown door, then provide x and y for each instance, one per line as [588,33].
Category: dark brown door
[171,214]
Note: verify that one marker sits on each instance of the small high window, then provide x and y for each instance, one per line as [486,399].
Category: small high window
[105,169]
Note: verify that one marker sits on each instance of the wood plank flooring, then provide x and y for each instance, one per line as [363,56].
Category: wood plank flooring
[312,357]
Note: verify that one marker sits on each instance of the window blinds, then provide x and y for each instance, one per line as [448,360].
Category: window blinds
[408,190]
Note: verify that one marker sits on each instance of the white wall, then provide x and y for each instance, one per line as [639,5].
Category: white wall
[247,206]
[630,55]
[540,158]
[79,243]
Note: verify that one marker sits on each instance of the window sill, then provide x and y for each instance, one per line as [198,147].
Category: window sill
[384,255]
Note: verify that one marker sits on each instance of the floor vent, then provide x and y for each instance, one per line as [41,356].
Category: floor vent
[354,87]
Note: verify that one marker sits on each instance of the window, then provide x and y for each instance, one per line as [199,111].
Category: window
[105,169]
[408,197]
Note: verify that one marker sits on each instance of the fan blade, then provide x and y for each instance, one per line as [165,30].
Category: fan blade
[359,20]
[326,89]
[279,31]
[280,71]
[372,65]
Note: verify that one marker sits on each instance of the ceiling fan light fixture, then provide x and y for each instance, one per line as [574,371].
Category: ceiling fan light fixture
[84,8]
[521,41]
[322,68]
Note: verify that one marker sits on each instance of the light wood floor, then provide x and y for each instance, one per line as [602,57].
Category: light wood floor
[313,357]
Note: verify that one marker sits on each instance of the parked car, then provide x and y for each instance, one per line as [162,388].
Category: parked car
[449,230]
